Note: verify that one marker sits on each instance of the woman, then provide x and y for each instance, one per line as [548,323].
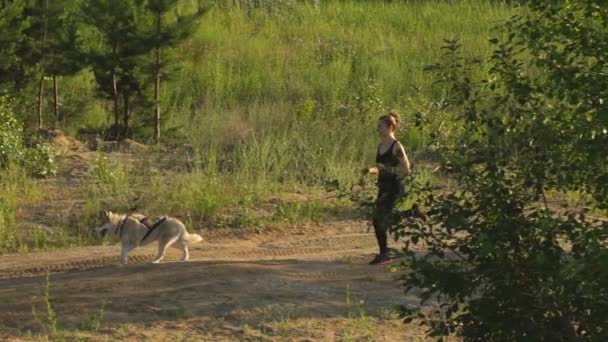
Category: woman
[391,166]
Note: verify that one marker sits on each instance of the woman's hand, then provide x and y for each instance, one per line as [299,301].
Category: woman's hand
[370,171]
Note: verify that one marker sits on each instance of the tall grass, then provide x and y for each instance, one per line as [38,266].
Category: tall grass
[17,189]
[241,57]
[50,326]
[291,90]
[274,99]
[271,95]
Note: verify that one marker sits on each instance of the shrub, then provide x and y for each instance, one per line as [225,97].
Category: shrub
[11,135]
[502,262]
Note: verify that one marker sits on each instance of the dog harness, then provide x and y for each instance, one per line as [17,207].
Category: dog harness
[119,228]
[154,226]
[150,228]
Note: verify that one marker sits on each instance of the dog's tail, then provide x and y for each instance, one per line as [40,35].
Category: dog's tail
[192,237]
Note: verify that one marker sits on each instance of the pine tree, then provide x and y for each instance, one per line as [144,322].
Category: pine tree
[116,59]
[46,18]
[64,53]
[166,33]
[12,27]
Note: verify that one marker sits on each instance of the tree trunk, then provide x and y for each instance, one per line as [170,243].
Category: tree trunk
[115,97]
[40,96]
[157,84]
[126,115]
[56,99]
[115,94]
[41,85]
[157,99]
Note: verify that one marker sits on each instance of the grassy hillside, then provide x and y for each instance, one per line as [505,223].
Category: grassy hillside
[271,101]
[293,90]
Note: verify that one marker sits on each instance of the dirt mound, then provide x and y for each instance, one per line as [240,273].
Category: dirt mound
[74,165]
[61,142]
[124,146]
[132,146]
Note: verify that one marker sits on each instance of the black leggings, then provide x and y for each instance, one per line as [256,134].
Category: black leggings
[388,196]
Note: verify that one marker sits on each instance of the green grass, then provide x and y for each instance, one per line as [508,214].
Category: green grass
[51,328]
[241,57]
[17,190]
[292,91]
[270,95]
[270,102]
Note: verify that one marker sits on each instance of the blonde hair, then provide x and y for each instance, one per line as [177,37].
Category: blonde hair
[391,119]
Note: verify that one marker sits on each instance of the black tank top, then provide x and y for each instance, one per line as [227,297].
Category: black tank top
[388,159]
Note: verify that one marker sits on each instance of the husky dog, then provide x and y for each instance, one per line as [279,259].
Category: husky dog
[137,230]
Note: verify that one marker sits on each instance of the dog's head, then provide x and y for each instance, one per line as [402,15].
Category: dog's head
[110,220]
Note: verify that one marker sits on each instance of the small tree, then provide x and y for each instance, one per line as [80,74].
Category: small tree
[64,56]
[504,263]
[164,34]
[116,59]
[46,22]
[12,26]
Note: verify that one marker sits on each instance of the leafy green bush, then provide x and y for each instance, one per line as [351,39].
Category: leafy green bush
[40,160]
[11,135]
[502,262]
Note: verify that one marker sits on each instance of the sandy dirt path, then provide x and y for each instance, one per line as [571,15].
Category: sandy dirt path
[312,284]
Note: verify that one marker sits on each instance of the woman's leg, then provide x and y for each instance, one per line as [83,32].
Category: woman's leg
[381,235]
[381,219]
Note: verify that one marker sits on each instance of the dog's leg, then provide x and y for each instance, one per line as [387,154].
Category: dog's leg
[124,253]
[180,244]
[186,253]
[162,247]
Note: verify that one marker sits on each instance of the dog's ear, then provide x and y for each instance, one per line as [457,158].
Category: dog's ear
[102,215]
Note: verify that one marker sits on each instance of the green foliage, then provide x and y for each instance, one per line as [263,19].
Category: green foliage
[12,26]
[8,240]
[95,321]
[108,181]
[50,37]
[253,64]
[166,34]
[117,58]
[17,189]
[11,135]
[293,212]
[502,263]
[328,53]
[40,160]
[167,29]
[103,172]
[49,324]
[367,105]
[274,6]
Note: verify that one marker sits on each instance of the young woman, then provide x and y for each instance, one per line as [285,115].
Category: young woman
[391,166]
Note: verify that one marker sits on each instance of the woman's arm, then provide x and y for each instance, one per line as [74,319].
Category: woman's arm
[373,170]
[403,169]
